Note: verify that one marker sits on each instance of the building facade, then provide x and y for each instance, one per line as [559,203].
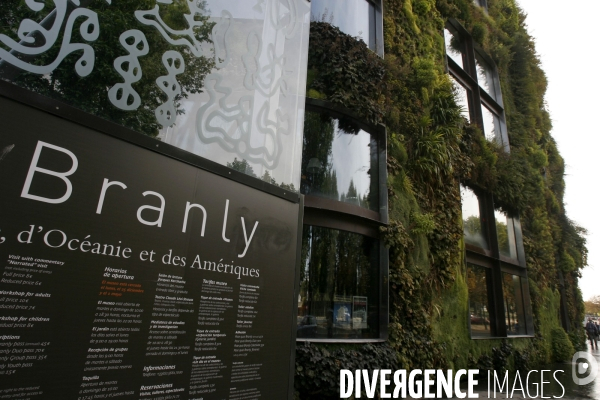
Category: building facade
[410,136]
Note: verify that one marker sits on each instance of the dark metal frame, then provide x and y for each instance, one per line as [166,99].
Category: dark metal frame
[467,77]
[348,217]
[491,259]
[379,45]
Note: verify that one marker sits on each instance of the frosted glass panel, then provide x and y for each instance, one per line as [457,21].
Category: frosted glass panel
[222,79]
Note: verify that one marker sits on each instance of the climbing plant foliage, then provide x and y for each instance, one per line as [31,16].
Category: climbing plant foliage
[431,149]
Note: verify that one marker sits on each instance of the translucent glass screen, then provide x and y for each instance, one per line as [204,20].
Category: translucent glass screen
[222,79]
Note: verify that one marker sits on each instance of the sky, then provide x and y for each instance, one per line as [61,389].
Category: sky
[566,42]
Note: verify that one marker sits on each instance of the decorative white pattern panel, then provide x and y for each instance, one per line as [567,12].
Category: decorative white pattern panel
[253,102]
[223,79]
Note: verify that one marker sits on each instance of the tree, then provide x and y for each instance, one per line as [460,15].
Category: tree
[592,306]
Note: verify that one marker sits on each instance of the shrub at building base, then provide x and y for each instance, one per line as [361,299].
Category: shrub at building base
[562,349]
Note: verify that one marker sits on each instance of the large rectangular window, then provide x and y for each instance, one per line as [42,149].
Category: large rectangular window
[339,285]
[498,300]
[474,71]
[505,229]
[342,293]
[339,161]
[473,224]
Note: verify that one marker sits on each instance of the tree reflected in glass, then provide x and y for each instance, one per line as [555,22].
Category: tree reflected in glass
[339,289]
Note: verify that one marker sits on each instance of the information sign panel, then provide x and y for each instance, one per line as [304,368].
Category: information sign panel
[128,274]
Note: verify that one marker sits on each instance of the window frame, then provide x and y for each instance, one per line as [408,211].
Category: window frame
[477,98]
[328,213]
[467,77]
[498,265]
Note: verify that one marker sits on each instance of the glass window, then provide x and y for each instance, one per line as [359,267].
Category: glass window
[491,126]
[462,98]
[485,76]
[339,285]
[479,305]
[453,47]
[472,221]
[505,229]
[339,161]
[476,76]
[354,17]
[513,305]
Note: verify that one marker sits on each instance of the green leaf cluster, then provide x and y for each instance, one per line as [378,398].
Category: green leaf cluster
[431,148]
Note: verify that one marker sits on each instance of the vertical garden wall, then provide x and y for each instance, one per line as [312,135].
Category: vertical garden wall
[431,150]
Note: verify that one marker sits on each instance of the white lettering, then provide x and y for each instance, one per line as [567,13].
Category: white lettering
[161,210]
[346,383]
[246,237]
[105,185]
[188,207]
[33,168]
[225,221]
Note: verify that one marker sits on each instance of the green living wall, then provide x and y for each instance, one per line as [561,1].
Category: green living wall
[431,148]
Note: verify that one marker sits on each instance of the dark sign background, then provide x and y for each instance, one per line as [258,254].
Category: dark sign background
[89,313]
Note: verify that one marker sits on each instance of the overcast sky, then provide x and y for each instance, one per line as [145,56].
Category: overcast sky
[565,37]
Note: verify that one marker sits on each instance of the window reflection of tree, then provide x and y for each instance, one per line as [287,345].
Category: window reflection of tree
[337,265]
[319,178]
[473,231]
[503,244]
[478,298]
[513,304]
